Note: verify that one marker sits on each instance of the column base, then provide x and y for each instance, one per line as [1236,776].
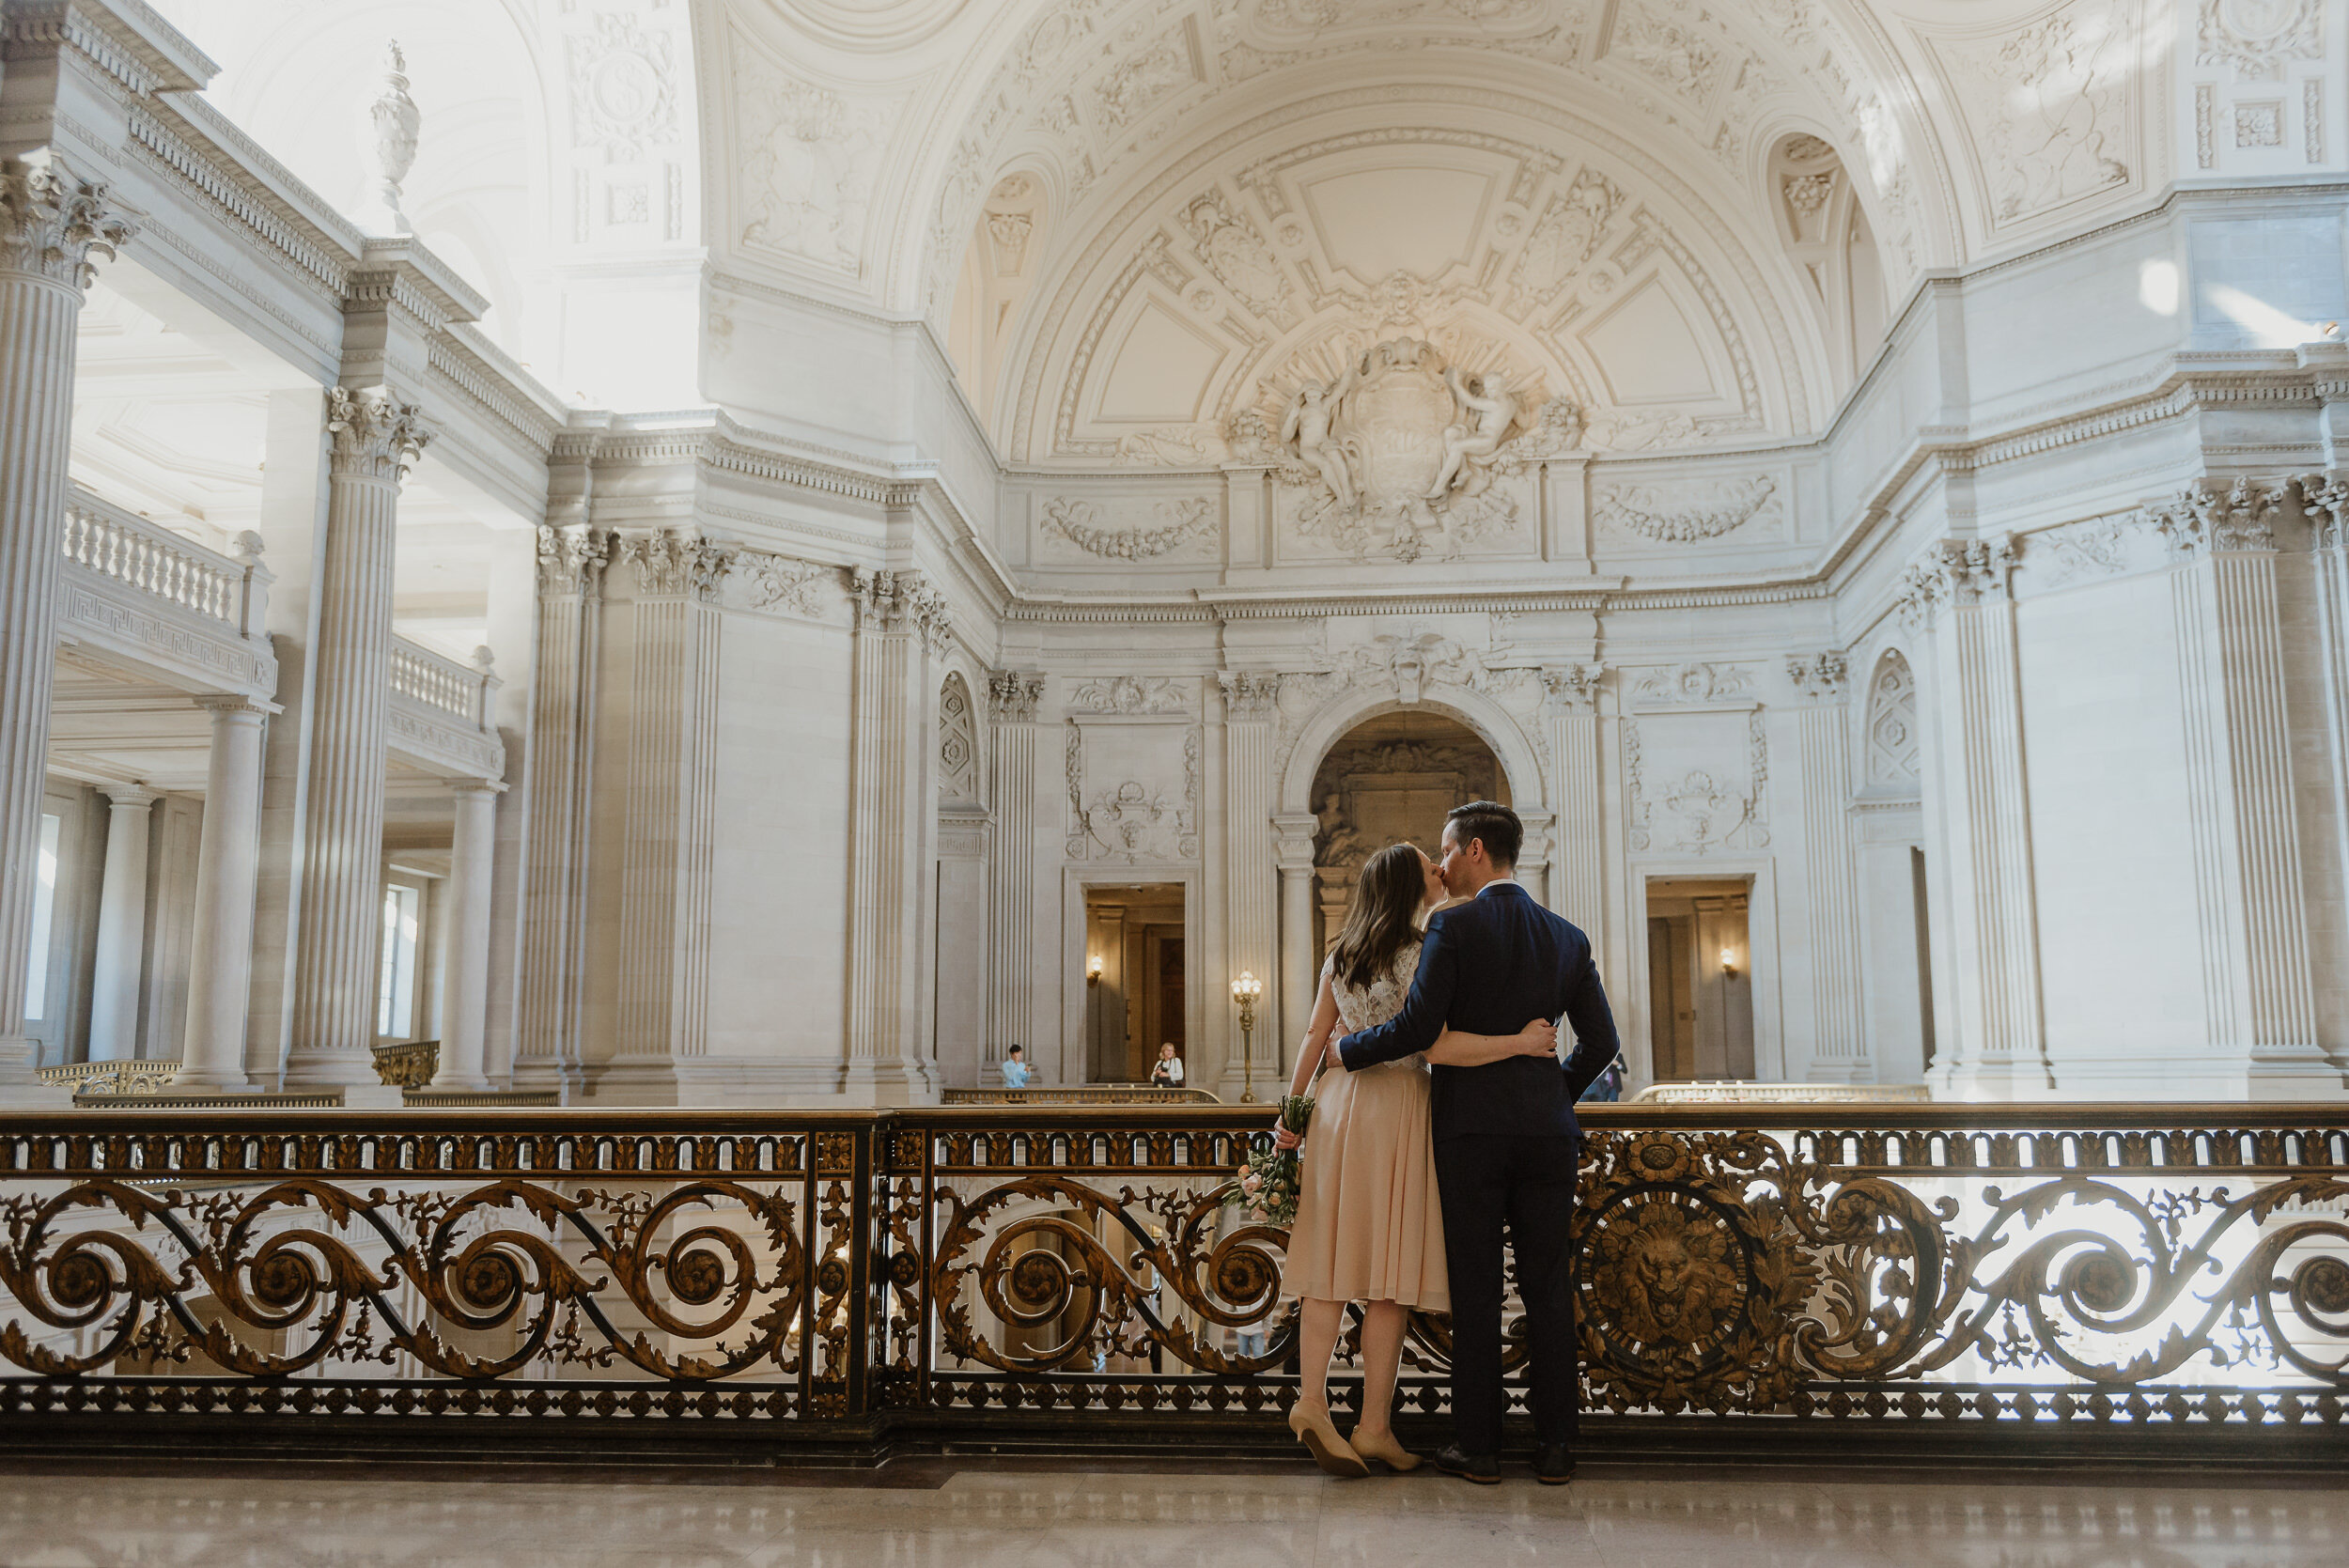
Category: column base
[889,1083]
[374,1096]
[313,1070]
[206,1082]
[1992,1081]
[1839,1072]
[539,1075]
[475,1083]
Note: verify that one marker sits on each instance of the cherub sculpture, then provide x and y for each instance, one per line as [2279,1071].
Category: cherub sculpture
[1489,407]
[1313,413]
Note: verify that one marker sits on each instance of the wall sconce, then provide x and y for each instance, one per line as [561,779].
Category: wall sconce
[1728,963]
[1093,970]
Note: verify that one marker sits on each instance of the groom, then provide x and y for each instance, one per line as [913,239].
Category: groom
[1504,1132]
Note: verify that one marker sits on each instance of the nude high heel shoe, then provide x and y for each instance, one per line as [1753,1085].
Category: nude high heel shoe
[1310,1422]
[1394,1456]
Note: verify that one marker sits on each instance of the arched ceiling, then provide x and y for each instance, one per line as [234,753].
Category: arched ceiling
[1366,165]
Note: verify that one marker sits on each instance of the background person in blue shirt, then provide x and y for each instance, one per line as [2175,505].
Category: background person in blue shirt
[1015,1070]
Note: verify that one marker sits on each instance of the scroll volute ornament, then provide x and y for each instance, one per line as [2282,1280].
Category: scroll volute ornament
[53,226]
[376,435]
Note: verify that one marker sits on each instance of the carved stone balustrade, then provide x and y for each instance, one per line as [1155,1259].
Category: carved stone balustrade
[135,590]
[1947,1282]
[443,713]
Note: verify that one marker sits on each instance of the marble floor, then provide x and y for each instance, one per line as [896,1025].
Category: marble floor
[966,1517]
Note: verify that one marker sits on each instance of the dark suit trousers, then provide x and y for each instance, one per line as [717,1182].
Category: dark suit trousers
[1527,1182]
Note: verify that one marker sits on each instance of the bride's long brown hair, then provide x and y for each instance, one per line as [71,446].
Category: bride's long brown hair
[1393,883]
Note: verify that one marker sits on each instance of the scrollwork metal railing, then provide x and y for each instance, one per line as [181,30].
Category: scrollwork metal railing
[2168,1272]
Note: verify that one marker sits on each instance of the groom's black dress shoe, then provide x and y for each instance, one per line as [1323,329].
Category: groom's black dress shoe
[1481,1469]
[1553,1464]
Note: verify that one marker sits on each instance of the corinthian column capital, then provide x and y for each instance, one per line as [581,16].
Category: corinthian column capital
[51,225]
[376,435]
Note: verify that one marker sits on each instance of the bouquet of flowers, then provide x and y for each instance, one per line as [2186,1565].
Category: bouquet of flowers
[1270,1184]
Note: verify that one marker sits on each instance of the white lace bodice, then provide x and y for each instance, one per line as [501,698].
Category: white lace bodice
[1371,1006]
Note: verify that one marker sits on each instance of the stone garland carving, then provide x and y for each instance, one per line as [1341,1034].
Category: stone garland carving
[1130,694]
[1647,509]
[53,224]
[1701,811]
[1250,694]
[1819,677]
[1693,683]
[376,435]
[2256,37]
[1080,523]
[676,561]
[2098,547]
[1954,574]
[394,121]
[1012,696]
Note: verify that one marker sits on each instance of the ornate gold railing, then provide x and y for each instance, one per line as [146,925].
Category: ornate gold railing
[2158,1273]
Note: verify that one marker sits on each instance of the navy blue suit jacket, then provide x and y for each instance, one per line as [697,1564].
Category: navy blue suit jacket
[1487,966]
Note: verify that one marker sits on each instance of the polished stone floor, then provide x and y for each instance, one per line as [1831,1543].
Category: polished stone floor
[952,1516]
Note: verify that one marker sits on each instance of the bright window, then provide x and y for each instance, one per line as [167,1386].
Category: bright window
[44,906]
[395,994]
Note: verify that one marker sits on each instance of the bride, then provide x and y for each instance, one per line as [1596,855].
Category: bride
[1368,1227]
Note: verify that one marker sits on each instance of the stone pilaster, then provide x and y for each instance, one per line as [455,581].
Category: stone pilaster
[1250,880]
[1960,592]
[1011,869]
[668,842]
[1300,955]
[113,1003]
[227,862]
[899,621]
[571,561]
[2259,1002]
[52,228]
[375,437]
[1839,1037]
[464,1005]
[1576,859]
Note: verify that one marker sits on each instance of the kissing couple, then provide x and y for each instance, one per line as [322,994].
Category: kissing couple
[1436,1128]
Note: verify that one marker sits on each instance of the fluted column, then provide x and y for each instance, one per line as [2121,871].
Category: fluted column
[52,226]
[667,843]
[374,435]
[1838,1041]
[2259,1000]
[1577,863]
[572,561]
[1959,590]
[1300,955]
[113,1003]
[465,1003]
[1250,881]
[898,620]
[1011,870]
[227,858]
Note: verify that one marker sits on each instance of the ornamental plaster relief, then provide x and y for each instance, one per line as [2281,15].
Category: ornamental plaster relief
[1582,303]
[1134,790]
[1181,531]
[1698,783]
[809,160]
[2049,110]
[1691,511]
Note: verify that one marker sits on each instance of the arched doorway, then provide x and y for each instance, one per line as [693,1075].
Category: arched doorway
[1391,780]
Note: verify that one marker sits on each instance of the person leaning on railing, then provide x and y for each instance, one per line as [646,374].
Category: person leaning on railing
[1015,1070]
[1167,1071]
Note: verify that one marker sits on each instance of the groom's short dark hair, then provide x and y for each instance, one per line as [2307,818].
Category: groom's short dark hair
[1492,822]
